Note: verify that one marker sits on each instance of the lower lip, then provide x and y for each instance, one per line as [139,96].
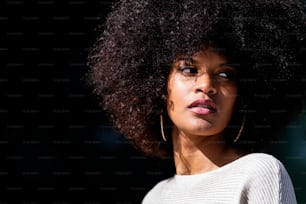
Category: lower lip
[202,111]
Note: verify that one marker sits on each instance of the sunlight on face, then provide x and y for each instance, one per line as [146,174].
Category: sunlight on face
[201,93]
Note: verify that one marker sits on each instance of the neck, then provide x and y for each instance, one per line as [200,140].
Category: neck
[199,154]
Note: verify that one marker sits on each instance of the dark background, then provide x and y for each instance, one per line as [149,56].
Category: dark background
[56,146]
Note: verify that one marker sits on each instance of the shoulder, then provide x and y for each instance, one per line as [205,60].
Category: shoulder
[256,167]
[266,165]
[260,156]
[163,185]
[267,180]
[262,169]
[262,163]
[154,193]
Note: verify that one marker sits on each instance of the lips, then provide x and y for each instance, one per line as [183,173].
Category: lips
[203,107]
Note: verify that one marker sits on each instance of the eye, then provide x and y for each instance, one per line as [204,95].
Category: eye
[188,70]
[228,74]
[223,74]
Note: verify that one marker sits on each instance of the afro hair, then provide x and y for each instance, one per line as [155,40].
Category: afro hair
[130,62]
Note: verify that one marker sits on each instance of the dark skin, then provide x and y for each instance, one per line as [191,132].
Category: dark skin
[201,99]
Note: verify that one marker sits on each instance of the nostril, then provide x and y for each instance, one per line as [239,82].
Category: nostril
[211,91]
[205,83]
[207,88]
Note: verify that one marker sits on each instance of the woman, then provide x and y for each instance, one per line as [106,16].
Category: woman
[209,82]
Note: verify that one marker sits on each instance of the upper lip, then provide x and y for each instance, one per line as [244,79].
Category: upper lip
[206,103]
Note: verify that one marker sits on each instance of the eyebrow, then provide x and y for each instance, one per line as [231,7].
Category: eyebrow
[187,59]
[192,61]
[227,65]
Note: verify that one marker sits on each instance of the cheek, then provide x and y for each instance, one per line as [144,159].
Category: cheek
[229,95]
[170,105]
[173,99]
[177,90]
[179,84]
[229,90]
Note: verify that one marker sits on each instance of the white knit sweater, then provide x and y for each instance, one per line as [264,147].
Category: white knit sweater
[254,179]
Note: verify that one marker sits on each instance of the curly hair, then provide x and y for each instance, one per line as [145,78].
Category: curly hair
[131,59]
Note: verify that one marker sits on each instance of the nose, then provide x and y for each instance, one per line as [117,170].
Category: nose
[206,84]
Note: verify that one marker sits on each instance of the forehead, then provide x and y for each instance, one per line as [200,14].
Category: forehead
[208,55]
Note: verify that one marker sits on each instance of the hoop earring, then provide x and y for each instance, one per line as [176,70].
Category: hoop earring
[162,127]
[241,128]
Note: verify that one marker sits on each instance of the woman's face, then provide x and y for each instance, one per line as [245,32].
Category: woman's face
[201,94]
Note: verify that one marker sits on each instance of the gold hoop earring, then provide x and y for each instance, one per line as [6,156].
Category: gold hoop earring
[162,127]
[241,128]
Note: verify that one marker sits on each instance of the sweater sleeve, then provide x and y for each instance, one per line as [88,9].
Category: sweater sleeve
[270,183]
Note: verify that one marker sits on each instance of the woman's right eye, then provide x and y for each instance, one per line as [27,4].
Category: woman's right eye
[188,70]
